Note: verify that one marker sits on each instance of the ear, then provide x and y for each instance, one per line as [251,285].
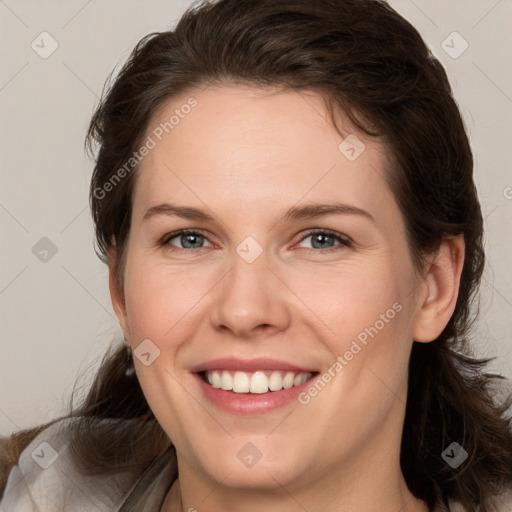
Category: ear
[117,294]
[440,290]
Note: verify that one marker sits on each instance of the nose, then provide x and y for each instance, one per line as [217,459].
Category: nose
[251,300]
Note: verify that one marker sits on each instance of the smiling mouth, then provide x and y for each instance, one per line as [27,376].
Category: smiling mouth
[258,382]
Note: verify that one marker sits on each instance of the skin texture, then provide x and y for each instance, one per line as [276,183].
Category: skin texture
[246,155]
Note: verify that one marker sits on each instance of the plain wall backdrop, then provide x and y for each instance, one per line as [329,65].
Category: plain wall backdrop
[56,316]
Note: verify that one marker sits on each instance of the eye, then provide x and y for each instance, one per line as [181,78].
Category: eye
[322,239]
[191,240]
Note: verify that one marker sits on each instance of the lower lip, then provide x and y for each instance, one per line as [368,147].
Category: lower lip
[251,404]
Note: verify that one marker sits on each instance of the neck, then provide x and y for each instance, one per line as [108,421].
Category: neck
[361,493]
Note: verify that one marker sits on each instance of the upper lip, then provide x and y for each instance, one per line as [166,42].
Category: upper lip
[248,365]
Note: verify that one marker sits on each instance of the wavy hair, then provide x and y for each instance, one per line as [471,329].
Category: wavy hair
[368,61]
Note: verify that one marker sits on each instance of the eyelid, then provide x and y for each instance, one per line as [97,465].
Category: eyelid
[344,240]
[187,231]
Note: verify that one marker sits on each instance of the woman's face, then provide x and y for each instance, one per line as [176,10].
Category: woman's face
[259,285]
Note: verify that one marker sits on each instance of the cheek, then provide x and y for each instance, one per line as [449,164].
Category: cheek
[161,297]
[363,309]
[347,299]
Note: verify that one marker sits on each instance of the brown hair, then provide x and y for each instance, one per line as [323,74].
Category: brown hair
[364,58]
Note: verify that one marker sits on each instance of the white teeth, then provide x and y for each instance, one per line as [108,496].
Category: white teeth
[214,379]
[240,382]
[275,383]
[288,380]
[258,382]
[226,381]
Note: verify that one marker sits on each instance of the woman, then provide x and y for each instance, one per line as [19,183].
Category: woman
[283,193]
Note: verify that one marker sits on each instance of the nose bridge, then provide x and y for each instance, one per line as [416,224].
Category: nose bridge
[249,267]
[247,297]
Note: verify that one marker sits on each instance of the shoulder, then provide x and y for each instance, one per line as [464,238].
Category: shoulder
[501,503]
[45,478]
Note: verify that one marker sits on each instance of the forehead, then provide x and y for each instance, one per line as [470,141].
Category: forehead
[244,146]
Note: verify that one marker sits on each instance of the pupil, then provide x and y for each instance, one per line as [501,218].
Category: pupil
[190,238]
[320,238]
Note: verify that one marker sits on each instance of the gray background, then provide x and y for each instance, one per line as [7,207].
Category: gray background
[56,317]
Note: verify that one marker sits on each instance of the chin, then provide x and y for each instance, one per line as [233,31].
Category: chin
[248,467]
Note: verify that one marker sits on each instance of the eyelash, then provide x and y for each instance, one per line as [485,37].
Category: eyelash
[344,241]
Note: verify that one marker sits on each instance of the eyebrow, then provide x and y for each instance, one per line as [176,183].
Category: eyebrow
[310,211]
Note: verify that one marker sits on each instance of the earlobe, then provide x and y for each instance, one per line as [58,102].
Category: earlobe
[117,295]
[441,289]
